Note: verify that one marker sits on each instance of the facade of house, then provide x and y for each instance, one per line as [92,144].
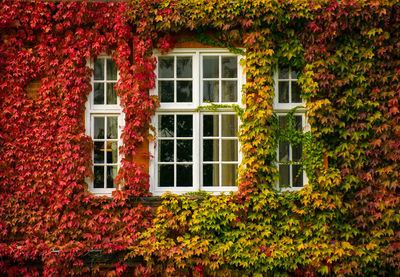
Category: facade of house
[199,138]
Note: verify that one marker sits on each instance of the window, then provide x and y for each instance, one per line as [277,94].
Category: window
[289,156]
[196,149]
[104,120]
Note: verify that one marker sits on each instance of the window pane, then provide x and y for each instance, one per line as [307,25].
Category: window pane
[298,121]
[282,122]
[297,152]
[229,125]
[284,73]
[284,175]
[229,91]
[111,174]
[229,175]
[111,70]
[184,67]
[112,127]
[296,93]
[98,152]
[294,74]
[99,127]
[210,67]
[184,175]
[166,151]
[229,150]
[184,91]
[165,67]
[166,91]
[111,94]
[99,69]
[184,125]
[166,125]
[283,151]
[98,177]
[211,91]
[98,98]
[112,152]
[210,175]
[229,67]
[165,175]
[210,150]
[283,92]
[297,176]
[184,150]
[210,126]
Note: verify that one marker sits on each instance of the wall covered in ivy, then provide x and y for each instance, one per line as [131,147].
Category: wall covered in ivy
[345,222]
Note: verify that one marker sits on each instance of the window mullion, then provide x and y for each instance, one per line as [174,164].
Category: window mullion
[175,159]
[196,159]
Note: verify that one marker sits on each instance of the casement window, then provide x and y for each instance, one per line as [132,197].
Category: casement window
[104,122]
[289,156]
[196,149]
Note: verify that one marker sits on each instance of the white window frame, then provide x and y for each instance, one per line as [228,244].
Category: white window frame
[282,109]
[192,108]
[104,110]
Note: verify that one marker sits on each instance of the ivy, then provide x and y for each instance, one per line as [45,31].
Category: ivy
[344,222]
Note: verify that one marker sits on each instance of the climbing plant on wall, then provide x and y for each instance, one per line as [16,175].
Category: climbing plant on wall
[48,219]
[345,222]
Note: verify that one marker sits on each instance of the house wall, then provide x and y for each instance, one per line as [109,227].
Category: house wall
[345,222]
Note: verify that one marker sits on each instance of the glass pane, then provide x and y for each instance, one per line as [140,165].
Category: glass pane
[184,125]
[229,67]
[98,177]
[297,176]
[99,127]
[283,92]
[111,70]
[184,175]
[284,73]
[298,121]
[165,67]
[112,127]
[210,91]
[229,125]
[111,94]
[210,67]
[98,152]
[184,150]
[283,151]
[165,175]
[98,98]
[166,151]
[296,93]
[210,126]
[210,150]
[184,91]
[229,150]
[210,175]
[166,91]
[229,91]
[99,69]
[297,152]
[112,152]
[111,174]
[229,175]
[184,67]
[166,125]
[294,74]
[284,175]
[282,122]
